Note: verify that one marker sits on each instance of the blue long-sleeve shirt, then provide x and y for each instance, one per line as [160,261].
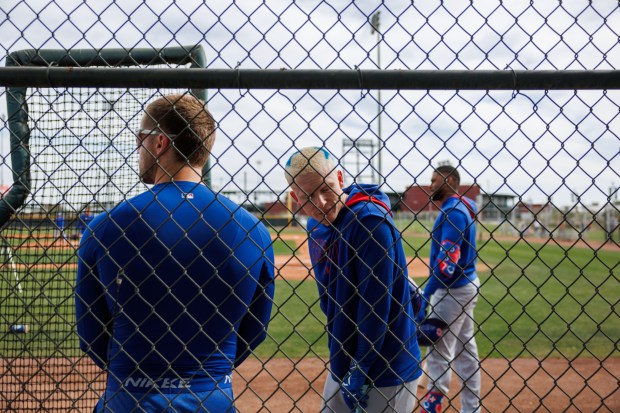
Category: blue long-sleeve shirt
[176,282]
[361,272]
[453,246]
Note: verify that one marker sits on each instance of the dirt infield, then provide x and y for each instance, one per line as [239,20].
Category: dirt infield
[283,385]
[522,385]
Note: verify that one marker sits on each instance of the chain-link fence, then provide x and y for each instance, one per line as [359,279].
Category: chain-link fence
[521,98]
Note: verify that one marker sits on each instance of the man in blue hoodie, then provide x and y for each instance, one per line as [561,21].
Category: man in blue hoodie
[452,291]
[361,272]
[175,285]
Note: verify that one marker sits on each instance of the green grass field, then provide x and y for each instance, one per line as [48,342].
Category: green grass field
[536,301]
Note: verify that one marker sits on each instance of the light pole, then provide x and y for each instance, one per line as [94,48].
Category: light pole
[260,181]
[245,187]
[610,221]
[375,22]
[107,155]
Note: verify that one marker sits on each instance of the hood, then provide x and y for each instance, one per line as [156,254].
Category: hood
[366,192]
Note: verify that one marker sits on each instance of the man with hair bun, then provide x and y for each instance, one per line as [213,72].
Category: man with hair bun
[174,286]
[361,272]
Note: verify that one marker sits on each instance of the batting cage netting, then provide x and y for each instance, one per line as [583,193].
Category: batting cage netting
[470,148]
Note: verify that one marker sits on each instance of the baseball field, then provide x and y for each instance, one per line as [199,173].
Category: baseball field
[548,328]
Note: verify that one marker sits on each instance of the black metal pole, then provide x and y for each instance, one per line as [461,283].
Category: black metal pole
[309,79]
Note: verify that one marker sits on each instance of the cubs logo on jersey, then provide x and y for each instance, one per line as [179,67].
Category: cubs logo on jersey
[448,257]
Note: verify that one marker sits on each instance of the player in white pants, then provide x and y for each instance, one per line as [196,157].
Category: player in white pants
[452,290]
[458,346]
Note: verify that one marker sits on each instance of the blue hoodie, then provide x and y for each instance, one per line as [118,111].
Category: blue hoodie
[361,272]
[453,246]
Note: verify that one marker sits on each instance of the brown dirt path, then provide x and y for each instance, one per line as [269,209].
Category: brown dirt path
[282,385]
[522,385]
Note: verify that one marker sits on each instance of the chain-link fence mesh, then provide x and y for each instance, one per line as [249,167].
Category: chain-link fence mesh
[542,167]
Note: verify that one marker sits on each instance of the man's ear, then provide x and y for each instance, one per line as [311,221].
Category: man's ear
[452,183]
[162,144]
[340,179]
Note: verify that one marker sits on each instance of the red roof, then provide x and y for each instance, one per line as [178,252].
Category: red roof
[417,197]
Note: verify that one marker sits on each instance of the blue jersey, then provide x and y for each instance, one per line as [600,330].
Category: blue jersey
[361,272]
[174,288]
[453,246]
[60,221]
[84,221]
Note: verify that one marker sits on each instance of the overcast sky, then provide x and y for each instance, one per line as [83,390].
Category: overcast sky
[532,144]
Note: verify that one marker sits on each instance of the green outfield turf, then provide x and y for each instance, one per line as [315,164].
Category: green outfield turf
[536,300]
[284,247]
[297,328]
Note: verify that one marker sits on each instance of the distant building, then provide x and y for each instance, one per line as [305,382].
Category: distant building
[497,207]
[396,200]
[529,211]
[545,217]
[279,208]
[416,198]
[280,213]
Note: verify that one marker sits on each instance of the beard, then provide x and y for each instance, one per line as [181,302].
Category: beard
[438,194]
[147,174]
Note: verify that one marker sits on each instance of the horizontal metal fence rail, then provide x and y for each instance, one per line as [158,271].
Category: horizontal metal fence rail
[311,78]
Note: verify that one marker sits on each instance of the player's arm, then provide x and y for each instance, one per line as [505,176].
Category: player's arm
[445,265]
[375,271]
[452,230]
[253,328]
[91,311]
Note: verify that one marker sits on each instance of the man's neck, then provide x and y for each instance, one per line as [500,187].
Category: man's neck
[186,173]
[448,196]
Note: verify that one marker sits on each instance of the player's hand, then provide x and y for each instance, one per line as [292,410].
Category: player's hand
[354,389]
[415,295]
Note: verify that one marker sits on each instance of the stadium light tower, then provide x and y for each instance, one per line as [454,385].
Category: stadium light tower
[375,23]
